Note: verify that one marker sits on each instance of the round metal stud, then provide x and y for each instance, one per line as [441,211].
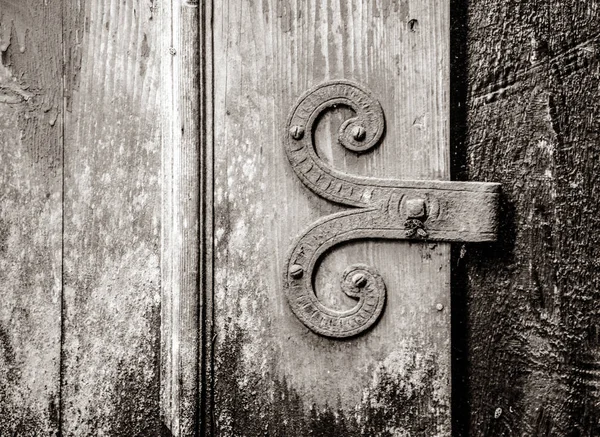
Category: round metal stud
[297,132]
[296,271]
[359,133]
[360,280]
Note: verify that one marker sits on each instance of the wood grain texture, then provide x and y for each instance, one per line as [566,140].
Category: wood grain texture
[531,123]
[271,374]
[207,248]
[532,120]
[181,150]
[30,217]
[112,208]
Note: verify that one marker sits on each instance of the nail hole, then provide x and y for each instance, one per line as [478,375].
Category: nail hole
[413,25]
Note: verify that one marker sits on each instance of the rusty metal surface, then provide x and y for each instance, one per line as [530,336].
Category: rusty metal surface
[383,209]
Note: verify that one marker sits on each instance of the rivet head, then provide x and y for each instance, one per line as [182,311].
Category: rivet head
[415,208]
[439,307]
[359,279]
[297,132]
[296,271]
[359,133]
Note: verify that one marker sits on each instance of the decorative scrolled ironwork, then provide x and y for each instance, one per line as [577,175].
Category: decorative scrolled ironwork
[380,208]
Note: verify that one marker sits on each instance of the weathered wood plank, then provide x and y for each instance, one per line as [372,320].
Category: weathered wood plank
[533,125]
[112,211]
[271,374]
[207,249]
[181,149]
[30,216]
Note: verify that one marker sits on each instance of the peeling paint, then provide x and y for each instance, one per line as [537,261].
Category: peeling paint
[14,20]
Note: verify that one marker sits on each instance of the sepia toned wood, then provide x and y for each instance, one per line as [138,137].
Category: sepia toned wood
[30,217]
[529,342]
[181,68]
[112,219]
[533,102]
[272,375]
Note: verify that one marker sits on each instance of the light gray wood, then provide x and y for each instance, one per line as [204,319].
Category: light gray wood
[271,373]
[112,207]
[207,249]
[30,217]
[180,325]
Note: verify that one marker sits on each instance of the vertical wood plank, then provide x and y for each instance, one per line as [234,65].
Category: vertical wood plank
[180,326]
[112,296]
[271,374]
[30,216]
[207,211]
[533,105]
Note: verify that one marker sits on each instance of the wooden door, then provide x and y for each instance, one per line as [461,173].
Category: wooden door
[270,374]
[260,370]
[148,207]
